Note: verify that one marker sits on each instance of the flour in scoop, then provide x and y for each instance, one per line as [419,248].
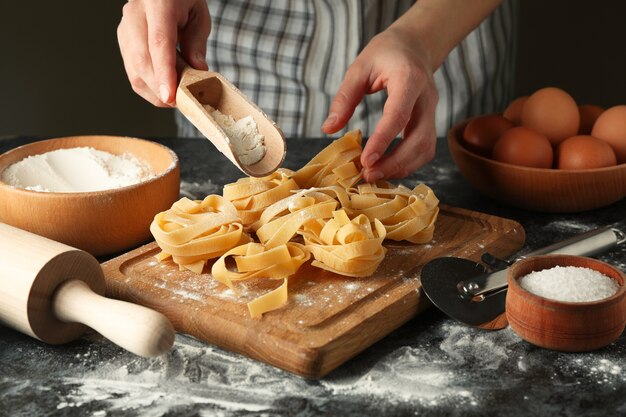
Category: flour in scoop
[72,170]
[248,143]
[569,283]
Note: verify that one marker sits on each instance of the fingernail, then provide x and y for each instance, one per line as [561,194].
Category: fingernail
[332,118]
[371,160]
[165,93]
[375,176]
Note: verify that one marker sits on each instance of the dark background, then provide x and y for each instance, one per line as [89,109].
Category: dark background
[61,73]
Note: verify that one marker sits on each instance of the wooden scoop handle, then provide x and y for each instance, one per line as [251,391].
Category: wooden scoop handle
[137,329]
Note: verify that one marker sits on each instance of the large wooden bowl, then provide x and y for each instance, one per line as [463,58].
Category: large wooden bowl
[101,222]
[559,325]
[548,190]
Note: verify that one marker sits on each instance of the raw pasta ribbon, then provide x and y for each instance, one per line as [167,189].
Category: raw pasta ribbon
[254,260]
[281,222]
[407,214]
[338,163]
[251,196]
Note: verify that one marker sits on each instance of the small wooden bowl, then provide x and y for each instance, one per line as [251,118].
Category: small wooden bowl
[100,222]
[559,325]
[539,189]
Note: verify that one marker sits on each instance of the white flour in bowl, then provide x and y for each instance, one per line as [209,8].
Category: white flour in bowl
[74,170]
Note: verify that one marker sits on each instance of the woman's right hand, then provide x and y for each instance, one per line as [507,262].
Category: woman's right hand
[148,35]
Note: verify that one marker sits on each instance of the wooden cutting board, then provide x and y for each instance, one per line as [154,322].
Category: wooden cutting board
[328,318]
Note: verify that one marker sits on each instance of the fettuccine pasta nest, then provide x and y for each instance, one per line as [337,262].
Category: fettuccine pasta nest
[320,211]
[251,196]
[192,232]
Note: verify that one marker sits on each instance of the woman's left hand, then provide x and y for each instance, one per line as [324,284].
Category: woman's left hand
[391,61]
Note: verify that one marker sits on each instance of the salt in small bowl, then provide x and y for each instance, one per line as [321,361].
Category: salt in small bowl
[560,325]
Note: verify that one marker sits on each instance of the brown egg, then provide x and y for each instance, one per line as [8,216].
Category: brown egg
[482,132]
[611,128]
[523,146]
[589,113]
[584,152]
[514,110]
[553,113]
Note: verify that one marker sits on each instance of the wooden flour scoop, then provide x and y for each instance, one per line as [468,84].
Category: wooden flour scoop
[51,291]
[198,89]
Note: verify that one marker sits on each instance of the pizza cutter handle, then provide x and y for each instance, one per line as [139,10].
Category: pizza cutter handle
[590,243]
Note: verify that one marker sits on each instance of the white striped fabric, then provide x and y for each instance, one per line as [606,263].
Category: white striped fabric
[290,56]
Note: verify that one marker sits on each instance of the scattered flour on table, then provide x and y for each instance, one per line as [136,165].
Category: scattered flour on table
[81,169]
[604,370]
[593,367]
[434,174]
[197,191]
[452,367]
[427,373]
[158,386]
[569,226]
[489,349]
[442,173]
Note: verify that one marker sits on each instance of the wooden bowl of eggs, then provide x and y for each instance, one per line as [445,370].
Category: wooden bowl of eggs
[566,303]
[95,193]
[545,153]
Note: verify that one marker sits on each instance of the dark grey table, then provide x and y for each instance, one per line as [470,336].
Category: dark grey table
[431,366]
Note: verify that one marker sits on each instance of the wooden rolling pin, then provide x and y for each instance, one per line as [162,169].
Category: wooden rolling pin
[50,291]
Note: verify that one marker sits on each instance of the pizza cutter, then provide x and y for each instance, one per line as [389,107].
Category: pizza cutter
[475,293]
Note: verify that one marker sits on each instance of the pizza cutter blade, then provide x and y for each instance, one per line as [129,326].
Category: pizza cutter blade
[440,281]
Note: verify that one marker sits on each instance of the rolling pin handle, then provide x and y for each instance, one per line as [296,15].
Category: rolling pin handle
[137,329]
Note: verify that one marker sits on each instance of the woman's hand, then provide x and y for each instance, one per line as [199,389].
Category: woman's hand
[148,35]
[402,60]
[391,61]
